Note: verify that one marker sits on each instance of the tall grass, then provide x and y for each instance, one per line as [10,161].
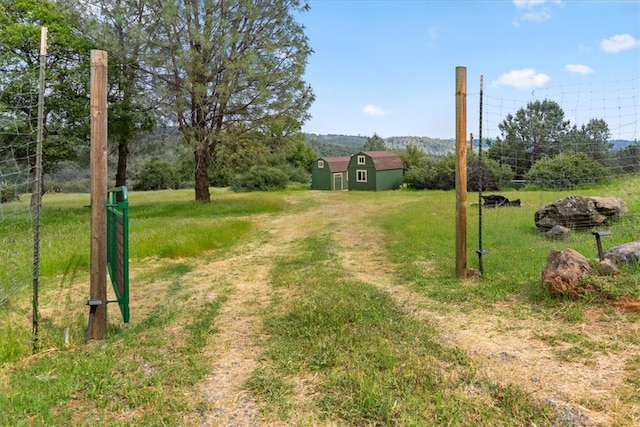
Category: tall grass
[366,361]
[138,376]
[421,241]
[171,226]
[166,224]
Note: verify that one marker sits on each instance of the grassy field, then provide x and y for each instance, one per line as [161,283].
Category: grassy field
[317,308]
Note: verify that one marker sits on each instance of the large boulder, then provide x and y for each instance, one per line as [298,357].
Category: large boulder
[625,254]
[611,207]
[580,213]
[562,276]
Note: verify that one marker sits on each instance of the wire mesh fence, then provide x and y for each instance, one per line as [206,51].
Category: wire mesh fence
[563,141]
[18,142]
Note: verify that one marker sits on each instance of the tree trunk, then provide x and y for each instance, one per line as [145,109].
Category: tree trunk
[202,157]
[121,172]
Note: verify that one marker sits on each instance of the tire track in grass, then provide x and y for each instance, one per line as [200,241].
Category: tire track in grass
[236,347]
[507,350]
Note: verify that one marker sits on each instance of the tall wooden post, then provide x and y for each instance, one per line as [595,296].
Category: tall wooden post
[98,318]
[461,172]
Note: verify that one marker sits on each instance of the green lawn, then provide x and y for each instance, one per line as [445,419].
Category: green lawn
[372,363]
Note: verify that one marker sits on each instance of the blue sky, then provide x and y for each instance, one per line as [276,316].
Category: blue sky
[389,66]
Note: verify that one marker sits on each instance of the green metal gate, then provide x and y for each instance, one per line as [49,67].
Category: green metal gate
[118,246]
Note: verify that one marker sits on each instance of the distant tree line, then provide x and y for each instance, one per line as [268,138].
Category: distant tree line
[537,145]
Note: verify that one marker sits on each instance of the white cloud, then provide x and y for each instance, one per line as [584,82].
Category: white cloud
[527,4]
[618,43]
[522,79]
[373,110]
[534,13]
[530,4]
[579,69]
[541,16]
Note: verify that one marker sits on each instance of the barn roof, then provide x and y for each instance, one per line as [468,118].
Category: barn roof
[337,164]
[384,160]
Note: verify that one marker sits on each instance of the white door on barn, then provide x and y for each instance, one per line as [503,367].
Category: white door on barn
[337,182]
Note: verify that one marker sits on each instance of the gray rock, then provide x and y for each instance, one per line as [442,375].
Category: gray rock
[579,213]
[607,267]
[611,207]
[558,232]
[625,254]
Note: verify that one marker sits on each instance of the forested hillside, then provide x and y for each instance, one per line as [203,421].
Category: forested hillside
[346,145]
[332,150]
[434,147]
[355,141]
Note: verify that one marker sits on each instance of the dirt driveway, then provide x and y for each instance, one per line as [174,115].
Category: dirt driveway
[507,346]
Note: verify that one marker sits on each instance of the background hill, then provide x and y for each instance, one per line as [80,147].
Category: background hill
[346,145]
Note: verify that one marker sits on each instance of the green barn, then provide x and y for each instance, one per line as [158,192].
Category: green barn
[330,173]
[375,171]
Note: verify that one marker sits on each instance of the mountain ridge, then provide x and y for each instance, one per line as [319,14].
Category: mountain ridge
[346,145]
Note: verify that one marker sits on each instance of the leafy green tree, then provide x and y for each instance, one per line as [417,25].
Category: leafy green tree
[626,160]
[302,156]
[66,110]
[486,174]
[228,62]
[276,144]
[116,26]
[440,174]
[412,157]
[565,171]
[591,139]
[157,175]
[374,143]
[535,132]
[239,151]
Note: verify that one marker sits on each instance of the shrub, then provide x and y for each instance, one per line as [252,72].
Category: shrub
[494,176]
[441,174]
[260,178]
[156,175]
[565,171]
[415,178]
[298,174]
[432,175]
[9,193]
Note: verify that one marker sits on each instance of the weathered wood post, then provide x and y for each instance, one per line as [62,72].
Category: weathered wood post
[97,326]
[461,172]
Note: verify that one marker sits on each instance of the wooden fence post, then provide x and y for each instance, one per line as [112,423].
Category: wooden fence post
[461,172]
[98,293]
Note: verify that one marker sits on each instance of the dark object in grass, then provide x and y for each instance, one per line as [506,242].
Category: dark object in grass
[496,200]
